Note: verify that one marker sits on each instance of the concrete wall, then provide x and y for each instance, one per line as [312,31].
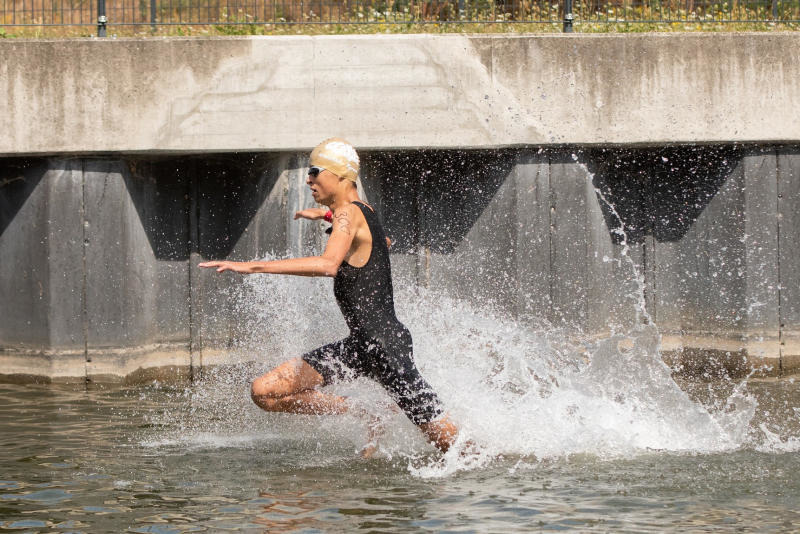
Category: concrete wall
[99,277]
[711,230]
[485,155]
[395,91]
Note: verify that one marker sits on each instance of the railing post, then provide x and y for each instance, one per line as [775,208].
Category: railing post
[101,18]
[775,10]
[153,15]
[567,16]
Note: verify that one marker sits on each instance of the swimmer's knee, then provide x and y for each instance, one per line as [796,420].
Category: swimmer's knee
[257,390]
[261,393]
[268,398]
[267,402]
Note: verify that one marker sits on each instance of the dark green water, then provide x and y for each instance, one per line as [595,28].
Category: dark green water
[124,460]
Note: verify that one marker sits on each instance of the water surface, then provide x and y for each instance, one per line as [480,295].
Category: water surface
[109,460]
[570,432]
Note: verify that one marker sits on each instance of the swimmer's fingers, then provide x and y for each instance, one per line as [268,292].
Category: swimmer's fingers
[221,266]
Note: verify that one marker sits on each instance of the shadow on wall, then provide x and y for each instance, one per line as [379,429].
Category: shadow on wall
[18,179]
[199,204]
[434,198]
[659,191]
[428,198]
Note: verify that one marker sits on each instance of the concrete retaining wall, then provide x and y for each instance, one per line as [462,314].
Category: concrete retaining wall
[99,275]
[396,91]
[485,155]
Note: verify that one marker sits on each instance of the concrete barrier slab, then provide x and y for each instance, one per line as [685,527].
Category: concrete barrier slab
[788,192]
[261,93]
[531,175]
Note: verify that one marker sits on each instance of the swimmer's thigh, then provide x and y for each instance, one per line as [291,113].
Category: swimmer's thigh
[335,362]
[292,376]
[403,382]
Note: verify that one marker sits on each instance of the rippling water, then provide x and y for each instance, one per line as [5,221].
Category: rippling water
[569,433]
[560,431]
[95,461]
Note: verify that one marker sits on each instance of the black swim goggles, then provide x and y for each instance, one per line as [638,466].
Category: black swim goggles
[314,171]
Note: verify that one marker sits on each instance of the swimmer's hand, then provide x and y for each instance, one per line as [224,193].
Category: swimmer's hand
[222,266]
[313,214]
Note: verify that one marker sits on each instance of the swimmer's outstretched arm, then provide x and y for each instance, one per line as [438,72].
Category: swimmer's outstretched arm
[310,266]
[326,265]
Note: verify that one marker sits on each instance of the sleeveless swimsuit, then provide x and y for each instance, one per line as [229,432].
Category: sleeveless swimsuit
[379,346]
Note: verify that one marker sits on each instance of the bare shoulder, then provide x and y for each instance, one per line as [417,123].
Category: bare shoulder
[369,207]
[348,219]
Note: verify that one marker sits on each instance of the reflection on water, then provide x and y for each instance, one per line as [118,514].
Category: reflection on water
[92,461]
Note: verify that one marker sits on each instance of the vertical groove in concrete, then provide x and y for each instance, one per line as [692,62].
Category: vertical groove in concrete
[649,260]
[423,249]
[190,239]
[195,326]
[779,203]
[84,244]
[551,207]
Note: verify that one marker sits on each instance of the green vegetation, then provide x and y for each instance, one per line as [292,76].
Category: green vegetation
[75,18]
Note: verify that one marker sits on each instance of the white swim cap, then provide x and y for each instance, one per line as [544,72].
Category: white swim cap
[337,156]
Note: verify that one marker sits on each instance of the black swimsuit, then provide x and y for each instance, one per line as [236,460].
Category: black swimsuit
[379,346]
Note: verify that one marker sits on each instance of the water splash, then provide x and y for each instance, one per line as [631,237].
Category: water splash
[516,387]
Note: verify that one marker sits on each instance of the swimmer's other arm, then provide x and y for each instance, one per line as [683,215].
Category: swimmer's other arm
[313,214]
[316,214]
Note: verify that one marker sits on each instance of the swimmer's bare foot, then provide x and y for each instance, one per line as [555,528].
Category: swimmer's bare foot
[369,450]
[376,428]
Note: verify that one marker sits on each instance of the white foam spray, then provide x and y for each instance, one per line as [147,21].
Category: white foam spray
[516,387]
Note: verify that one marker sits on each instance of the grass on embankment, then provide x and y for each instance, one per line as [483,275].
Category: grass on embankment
[356,29]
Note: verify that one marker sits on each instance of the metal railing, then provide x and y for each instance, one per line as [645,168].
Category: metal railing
[562,14]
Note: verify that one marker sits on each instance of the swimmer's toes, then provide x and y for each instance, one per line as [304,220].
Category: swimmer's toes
[369,450]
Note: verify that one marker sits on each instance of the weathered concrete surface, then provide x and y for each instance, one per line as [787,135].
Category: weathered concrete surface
[98,277]
[396,91]
[788,162]
[707,229]
[98,256]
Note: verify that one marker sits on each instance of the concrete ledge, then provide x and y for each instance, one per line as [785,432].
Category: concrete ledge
[140,364]
[159,363]
[180,95]
[58,366]
[710,364]
[708,356]
[105,365]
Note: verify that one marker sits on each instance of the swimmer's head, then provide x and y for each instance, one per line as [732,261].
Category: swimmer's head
[337,156]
